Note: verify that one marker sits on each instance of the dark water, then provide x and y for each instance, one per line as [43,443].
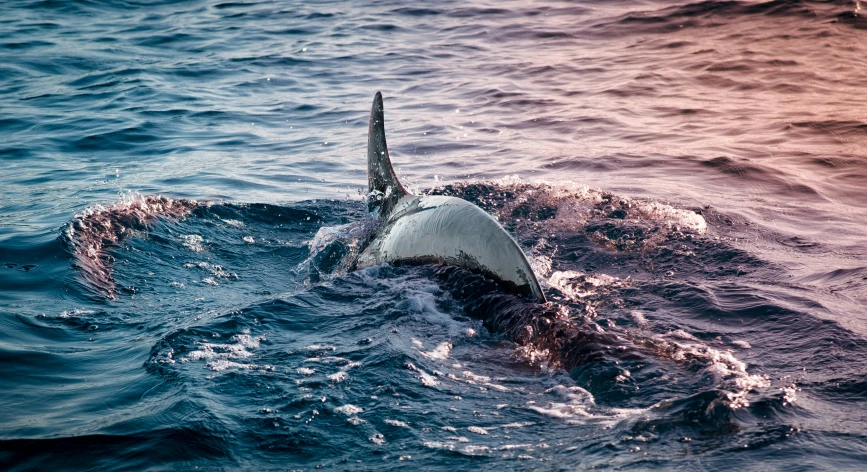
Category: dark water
[688,180]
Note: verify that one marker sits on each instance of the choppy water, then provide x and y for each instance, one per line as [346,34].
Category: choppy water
[688,179]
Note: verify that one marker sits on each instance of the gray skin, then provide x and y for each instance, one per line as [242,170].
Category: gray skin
[439,229]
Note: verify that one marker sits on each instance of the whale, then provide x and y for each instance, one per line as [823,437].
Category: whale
[425,229]
[410,229]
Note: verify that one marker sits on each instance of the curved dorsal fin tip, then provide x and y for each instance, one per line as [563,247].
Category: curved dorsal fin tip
[384,190]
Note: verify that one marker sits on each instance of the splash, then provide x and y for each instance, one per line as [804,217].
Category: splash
[576,405]
[617,222]
[564,335]
[219,357]
[580,287]
[551,335]
[333,249]
[94,232]
[726,371]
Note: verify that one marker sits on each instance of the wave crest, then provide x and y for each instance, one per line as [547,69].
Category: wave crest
[92,233]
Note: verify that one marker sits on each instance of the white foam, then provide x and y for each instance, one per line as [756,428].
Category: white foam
[318,347]
[508,447]
[523,424]
[578,285]
[427,380]
[639,319]
[576,404]
[221,356]
[355,421]
[349,409]
[475,450]
[246,340]
[469,450]
[533,355]
[193,242]
[76,312]
[223,364]
[336,360]
[441,352]
[676,218]
[789,393]
[474,379]
[728,372]
[215,351]
[337,377]
[449,446]
[681,334]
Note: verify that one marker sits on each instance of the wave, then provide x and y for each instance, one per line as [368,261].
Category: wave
[560,336]
[712,13]
[94,232]
[615,221]
[565,334]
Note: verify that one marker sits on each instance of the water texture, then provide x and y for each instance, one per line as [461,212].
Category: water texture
[182,189]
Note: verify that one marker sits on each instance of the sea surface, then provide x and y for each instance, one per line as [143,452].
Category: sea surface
[182,190]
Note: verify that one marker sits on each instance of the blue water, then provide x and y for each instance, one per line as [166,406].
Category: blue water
[181,184]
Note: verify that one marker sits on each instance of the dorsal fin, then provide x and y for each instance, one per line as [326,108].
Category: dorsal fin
[384,190]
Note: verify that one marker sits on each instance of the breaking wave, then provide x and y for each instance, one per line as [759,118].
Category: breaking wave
[94,232]
[620,222]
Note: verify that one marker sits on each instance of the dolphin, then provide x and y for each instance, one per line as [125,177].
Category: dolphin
[419,229]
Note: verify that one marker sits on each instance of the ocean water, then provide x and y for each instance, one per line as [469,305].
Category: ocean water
[182,184]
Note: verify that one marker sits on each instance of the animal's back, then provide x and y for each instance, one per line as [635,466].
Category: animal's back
[450,230]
